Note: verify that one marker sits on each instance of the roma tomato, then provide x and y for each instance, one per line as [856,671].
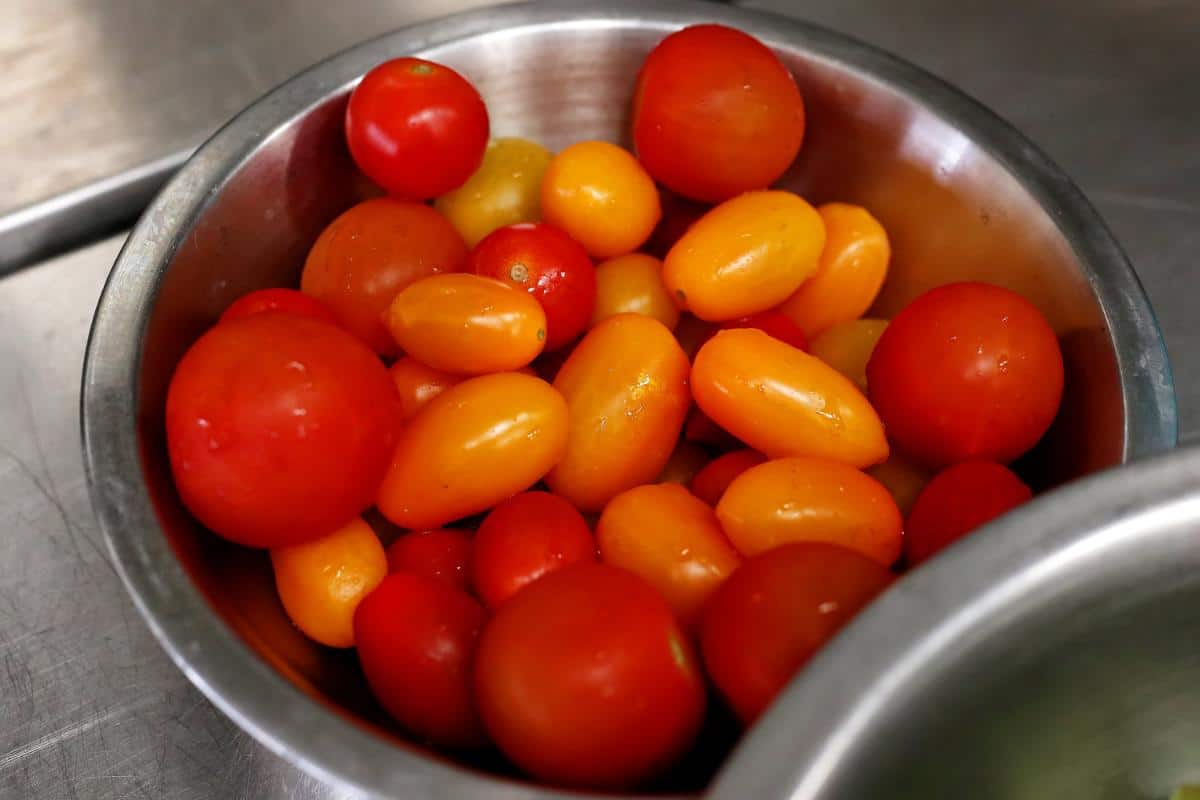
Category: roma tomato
[542,260]
[416,640]
[672,539]
[776,611]
[633,284]
[472,446]
[372,251]
[626,389]
[444,554]
[279,428]
[747,255]
[289,300]
[585,679]
[957,501]
[811,500]
[853,265]
[966,371]
[685,461]
[416,128]
[774,323]
[710,483]
[504,190]
[467,324]
[715,113]
[525,538]
[601,196]
[902,478]
[321,582]
[783,402]
[847,347]
[417,384]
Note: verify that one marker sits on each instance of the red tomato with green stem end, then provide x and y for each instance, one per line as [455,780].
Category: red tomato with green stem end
[293,301]
[525,538]
[548,264]
[416,128]
[714,478]
[443,553]
[958,500]
[773,323]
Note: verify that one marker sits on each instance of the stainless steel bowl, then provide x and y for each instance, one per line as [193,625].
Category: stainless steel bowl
[962,194]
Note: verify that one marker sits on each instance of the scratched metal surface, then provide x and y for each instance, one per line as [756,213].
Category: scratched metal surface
[89,705]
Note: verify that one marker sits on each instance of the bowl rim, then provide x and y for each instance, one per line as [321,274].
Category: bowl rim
[301,728]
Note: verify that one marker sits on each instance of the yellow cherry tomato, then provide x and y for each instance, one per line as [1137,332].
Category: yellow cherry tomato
[601,195]
[633,284]
[672,539]
[472,446]
[747,255]
[811,500]
[686,460]
[321,582]
[902,478]
[853,265]
[626,389]
[783,402]
[467,324]
[504,190]
[847,347]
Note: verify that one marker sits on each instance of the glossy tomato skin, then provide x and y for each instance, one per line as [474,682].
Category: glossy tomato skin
[841,506]
[747,255]
[467,324]
[585,679]
[633,284]
[958,500]
[525,538]
[279,428]
[774,323]
[966,371]
[626,390]
[847,347]
[775,612]
[416,128]
[665,534]
[416,639]
[540,259]
[710,483]
[504,190]
[443,553]
[417,383]
[289,300]
[783,402]
[716,113]
[366,256]
[471,447]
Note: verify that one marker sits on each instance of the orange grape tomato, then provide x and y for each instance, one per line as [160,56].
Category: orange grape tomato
[686,460]
[600,195]
[467,324]
[471,447]
[811,500]
[626,389]
[711,482]
[902,478]
[418,383]
[672,539]
[784,402]
[322,582]
[372,251]
[851,270]
[443,554]
[633,284]
[847,347]
[691,332]
[503,191]
[747,255]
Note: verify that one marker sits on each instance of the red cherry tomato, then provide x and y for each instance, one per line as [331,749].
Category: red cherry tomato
[280,428]
[773,323]
[292,301]
[443,554]
[712,481]
[524,538]
[776,611]
[966,371]
[542,260]
[585,679]
[957,501]
[416,128]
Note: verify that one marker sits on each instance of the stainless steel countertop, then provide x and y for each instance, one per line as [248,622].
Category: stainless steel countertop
[90,707]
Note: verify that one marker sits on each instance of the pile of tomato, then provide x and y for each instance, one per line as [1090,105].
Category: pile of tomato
[633,437]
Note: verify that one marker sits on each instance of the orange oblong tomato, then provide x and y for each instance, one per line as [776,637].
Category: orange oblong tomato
[783,402]
[633,284]
[811,500]
[472,446]
[626,389]
[747,255]
[467,324]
